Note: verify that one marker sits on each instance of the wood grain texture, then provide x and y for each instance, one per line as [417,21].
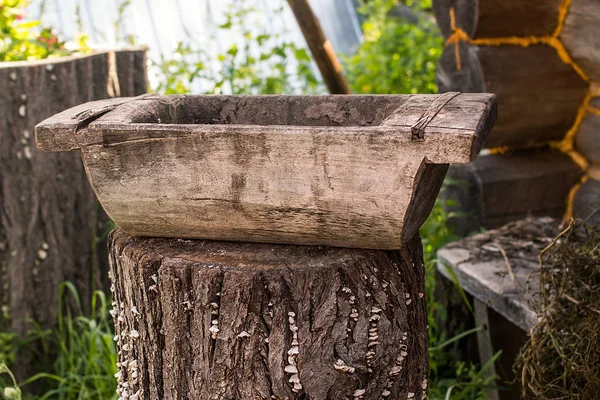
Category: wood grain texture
[499,18]
[580,36]
[482,271]
[586,203]
[219,320]
[320,48]
[332,170]
[538,94]
[497,189]
[587,140]
[48,211]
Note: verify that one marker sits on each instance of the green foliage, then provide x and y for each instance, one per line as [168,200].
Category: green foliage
[257,64]
[85,363]
[10,390]
[449,378]
[396,56]
[25,40]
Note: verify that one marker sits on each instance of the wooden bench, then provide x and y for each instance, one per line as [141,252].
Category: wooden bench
[498,269]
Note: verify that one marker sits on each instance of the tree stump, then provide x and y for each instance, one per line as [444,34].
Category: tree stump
[228,320]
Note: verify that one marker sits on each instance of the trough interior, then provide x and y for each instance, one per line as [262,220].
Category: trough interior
[275,110]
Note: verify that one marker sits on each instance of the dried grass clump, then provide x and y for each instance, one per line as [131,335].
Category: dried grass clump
[561,359]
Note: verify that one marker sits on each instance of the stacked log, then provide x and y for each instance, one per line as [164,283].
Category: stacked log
[542,59]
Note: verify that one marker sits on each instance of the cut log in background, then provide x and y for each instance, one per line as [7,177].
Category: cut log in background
[587,140]
[498,18]
[580,36]
[542,58]
[48,212]
[222,320]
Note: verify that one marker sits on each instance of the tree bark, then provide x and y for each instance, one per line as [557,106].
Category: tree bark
[224,320]
[537,102]
[48,211]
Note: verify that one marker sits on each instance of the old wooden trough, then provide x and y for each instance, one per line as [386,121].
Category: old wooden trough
[350,171]
[232,320]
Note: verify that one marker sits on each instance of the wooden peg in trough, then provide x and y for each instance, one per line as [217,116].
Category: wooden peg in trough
[349,171]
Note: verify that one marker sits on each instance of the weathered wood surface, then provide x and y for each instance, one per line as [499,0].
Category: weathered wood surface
[496,189]
[499,18]
[538,101]
[222,320]
[580,36]
[48,211]
[350,171]
[499,334]
[320,47]
[587,140]
[499,267]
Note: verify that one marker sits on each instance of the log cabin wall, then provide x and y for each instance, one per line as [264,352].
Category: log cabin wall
[543,60]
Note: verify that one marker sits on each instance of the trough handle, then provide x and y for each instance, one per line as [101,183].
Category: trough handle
[66,131]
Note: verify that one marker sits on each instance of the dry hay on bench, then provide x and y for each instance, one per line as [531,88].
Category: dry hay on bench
[561,359]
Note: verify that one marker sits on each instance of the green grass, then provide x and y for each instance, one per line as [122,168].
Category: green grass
[84,363]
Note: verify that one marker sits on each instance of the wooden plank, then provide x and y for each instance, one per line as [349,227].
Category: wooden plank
[485,347]
[539,100]
[499,18]
[499,334]
[498,267]
[321,48]
[248,176]
[222,320]
[497,189]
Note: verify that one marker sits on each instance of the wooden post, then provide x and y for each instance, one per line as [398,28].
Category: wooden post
[222,320]
[234,320]
[320,47]
[48,211]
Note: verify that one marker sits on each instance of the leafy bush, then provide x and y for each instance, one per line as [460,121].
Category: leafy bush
[257,64]
[25,40]
[397,55]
